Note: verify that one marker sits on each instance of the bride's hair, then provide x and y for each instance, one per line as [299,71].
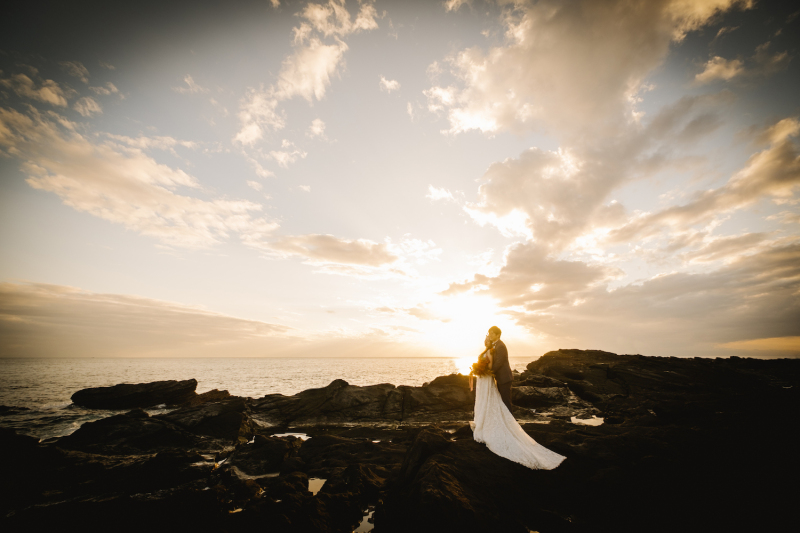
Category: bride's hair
[495,330]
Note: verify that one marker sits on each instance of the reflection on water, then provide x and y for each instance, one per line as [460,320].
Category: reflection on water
[314,484]
[301,436]
[365,524]
[594,421]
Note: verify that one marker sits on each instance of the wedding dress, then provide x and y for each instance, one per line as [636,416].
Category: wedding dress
[496,427]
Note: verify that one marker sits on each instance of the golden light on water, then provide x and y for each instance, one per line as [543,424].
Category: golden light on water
[463,364]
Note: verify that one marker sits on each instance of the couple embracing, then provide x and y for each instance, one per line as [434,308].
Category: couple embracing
[494,425]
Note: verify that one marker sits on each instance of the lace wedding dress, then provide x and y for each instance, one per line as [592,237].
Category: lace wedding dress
[499,430]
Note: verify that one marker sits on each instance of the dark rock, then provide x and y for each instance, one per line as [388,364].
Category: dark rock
[228,419]
[134,432]
[214,395]
[128,395]
[686,445]
[446,398]
[266,455]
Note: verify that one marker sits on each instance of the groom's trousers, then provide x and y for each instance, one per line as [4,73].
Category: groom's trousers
[505,393]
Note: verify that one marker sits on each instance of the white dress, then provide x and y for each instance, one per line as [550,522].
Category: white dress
[496,427]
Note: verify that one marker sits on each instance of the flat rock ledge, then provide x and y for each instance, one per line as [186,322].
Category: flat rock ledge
[685,445]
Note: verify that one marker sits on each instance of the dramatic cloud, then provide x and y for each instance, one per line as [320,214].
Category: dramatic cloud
[571,66]
[122,184]
[687,314]
[533,280]
[41,320]
[773,173]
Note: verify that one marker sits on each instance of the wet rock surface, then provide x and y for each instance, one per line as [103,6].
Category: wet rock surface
[685,445]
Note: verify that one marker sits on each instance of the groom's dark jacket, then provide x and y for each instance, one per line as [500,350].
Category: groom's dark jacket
[500,366]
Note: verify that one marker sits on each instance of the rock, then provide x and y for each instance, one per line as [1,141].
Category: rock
[134,432]
[446,398]
[686,444]
[265,456]
[214,395]
[323,455]
[129,396]
[227,419]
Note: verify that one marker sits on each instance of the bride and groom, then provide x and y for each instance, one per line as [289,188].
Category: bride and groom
[494,425]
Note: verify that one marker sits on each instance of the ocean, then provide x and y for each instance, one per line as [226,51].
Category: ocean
[43,387]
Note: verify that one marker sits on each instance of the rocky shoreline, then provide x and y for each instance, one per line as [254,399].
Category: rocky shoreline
[652,444]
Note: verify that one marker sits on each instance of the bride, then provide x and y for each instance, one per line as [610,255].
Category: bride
[494,425]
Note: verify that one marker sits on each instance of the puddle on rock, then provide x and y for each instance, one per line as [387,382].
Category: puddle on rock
[365,524]
[314,484]
[594,421]
[301,436]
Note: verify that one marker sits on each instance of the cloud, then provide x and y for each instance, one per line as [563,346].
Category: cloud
[254,185]
[107,89]
[288,155]
[439,194]
[454,5]
[531,278]
[686,314]
[308,70]
[258,111]
[87,106]
[76,69]
[121,184]
[389,85]
[763,63]
[568,66]
[719,68]
[360,258]
[191,87]
[333,19]
[48,91]
[329,249]
[773,172]
[42,320]
[306,188]
[316,129]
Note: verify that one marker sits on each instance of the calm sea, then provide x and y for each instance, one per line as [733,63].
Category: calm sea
[44,386]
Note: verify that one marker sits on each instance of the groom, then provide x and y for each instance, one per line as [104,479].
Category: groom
[500,366]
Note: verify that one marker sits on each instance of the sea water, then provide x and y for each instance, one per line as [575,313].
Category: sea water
[44,386]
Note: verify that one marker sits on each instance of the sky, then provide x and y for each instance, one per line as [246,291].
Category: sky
[391,178]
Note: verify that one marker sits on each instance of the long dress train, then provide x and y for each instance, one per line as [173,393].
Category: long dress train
[496,427]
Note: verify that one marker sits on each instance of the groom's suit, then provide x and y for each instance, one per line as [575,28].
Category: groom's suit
[502,372]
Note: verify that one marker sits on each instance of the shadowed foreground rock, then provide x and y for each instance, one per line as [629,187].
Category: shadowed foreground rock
[130,395]
[686,445]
